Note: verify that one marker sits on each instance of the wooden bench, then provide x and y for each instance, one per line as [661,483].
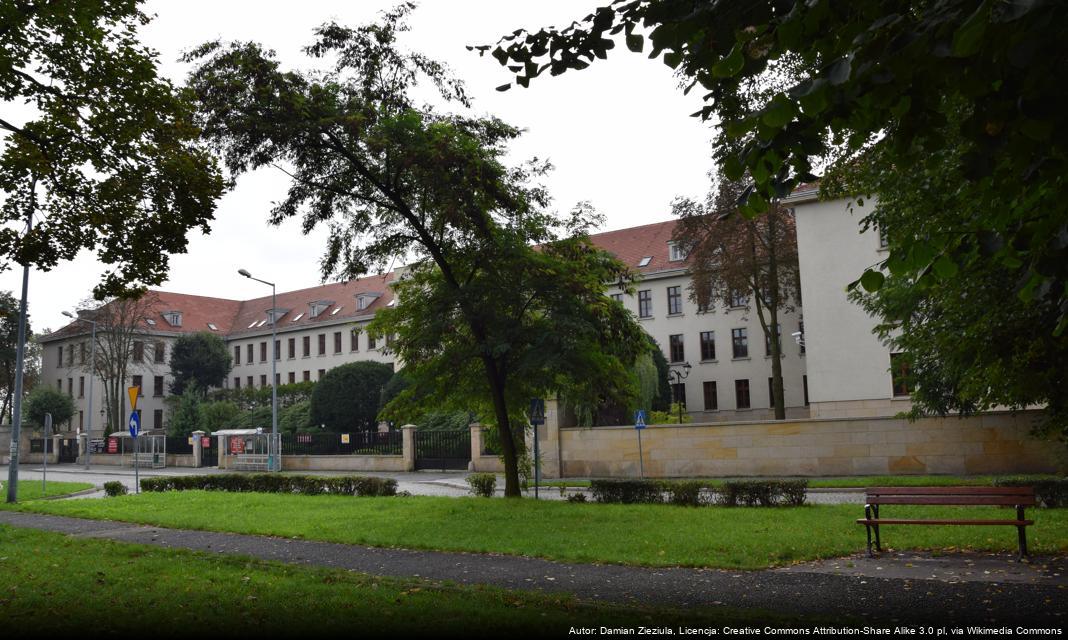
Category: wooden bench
[1019,497]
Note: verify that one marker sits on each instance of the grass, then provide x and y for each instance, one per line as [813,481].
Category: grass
[852,481]
[31,489]
[51,583]
[651,535]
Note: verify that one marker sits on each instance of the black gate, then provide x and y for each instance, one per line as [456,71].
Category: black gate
[209,454]
[68,450]
[443,450]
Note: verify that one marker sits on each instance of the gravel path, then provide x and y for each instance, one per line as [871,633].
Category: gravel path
[1039,601]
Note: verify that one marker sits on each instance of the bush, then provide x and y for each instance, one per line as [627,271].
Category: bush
[296,417]
[483,484]
[115,488]
[274,483]
[626,491]
[346,398]
[763,493]
[1048,493]
[577,497]
[45,399]
[686,493]
[222,414]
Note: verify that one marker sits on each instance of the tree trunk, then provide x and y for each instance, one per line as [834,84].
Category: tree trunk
[504,430]
[779,401]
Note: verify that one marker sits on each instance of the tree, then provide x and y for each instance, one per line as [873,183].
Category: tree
[219,415]
[200,358]
[9,325]
[392,179]
[44,400]
[735,260]
[794,84]
[120,322]
[347,397]
[185,412]
[108,144]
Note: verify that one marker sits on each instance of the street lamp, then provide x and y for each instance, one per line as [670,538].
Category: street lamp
[274,367]
[679,375]
[92,376]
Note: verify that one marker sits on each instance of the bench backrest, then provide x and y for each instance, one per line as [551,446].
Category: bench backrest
[995,496]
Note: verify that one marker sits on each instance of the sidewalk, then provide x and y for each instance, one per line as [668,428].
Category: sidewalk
[1035,594]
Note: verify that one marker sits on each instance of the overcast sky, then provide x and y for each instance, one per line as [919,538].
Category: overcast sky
[618,133]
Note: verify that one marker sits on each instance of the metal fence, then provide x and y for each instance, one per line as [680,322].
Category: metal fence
[332,444]
[37,445]
[180,445]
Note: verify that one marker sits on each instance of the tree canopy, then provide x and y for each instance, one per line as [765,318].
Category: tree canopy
[347,397]
[200,358]
[100,143]
[794,84]
[44,399]
[392,178]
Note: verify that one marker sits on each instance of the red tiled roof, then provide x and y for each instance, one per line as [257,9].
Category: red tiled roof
[633,244]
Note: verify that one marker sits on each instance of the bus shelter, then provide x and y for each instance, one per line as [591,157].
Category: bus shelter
[249,450]
[147,451]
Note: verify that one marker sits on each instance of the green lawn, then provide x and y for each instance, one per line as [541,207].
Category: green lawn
[655,535]
[31,489]
[854,481]
[52,583]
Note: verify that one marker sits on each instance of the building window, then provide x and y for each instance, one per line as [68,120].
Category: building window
[740,343]
[778,341]
[248,353]
[157,419]
[81,353]
[801,330]
[263,352]
[674,299]
[291,346]
[678,393]
[277,379]
[159,353]
[675,252]
[81,386]
[138,351]
[60,363]
[307,376]
[237,355]
[292,377]
[263,380]
[354,340]
[741,394]
[675,348]
[370,342]
[322,344]
[305,344]
[899,374]
[618,297]
[59,385]
[708,345]
[322,372]
[884,241]
[70,356]
[237,382]
[711,397]
[249,381]
[70,387]
[804,384]
[136,382]
[81,420]
[277,349]
[337,342]
[738,298]
[157,386]
[645,304]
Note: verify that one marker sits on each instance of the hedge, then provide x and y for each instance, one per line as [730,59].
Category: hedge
[273,483]
[1048,493]
[694,493]
[114,488]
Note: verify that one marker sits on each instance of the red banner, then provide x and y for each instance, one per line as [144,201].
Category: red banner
[113,445]
[205,442]
[237,445]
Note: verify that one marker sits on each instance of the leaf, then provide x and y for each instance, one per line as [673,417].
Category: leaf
[504,87]
[945,268]
[838,73]
[779,112]
[872,281]
[635,42]
[969,37]
[729,65]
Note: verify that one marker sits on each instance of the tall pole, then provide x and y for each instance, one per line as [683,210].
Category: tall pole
[92,375]
[274,377]
[20,358]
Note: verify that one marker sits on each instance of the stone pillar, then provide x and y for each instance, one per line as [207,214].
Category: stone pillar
[476,446]
[223,453]
[198,448]
[56,441]
[408,446]
[549,441]
[83,447]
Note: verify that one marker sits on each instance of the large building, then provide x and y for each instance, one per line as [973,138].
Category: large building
[840,367]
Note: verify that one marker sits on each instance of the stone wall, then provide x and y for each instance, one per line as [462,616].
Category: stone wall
[996,443]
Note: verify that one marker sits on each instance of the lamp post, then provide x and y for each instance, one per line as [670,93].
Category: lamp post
[274,366]
[92,376]
[20,360]
[679,376]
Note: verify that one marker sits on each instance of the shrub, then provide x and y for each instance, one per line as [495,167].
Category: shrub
[347,397]
[687,493]
[626,491]
[275,483]
[483,484]
[219,415]
[577,497]
[45,399]
[1048,493]
[763,493]
[114,488]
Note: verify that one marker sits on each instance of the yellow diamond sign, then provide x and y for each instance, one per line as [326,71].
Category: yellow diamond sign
[133,393]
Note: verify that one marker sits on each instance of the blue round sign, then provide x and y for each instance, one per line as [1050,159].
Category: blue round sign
[135,424]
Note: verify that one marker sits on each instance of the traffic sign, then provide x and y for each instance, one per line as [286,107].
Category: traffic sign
[133,392]
[639,419]
[135,423]
[537,411]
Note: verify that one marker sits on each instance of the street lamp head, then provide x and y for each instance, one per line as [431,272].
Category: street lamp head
[68,314]
[244,273]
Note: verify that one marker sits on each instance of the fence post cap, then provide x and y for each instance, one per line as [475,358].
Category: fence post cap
[475,425]
[408,426]
[198,432]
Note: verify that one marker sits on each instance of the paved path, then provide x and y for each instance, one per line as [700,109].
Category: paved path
[1038,598]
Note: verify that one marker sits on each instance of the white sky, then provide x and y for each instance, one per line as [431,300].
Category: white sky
[618,133]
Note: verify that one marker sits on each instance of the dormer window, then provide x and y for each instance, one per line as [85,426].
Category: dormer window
[212,326]
[319,306]
[274,315]
[676,253]
[174,318]
[150,322]
[644,262]
[364,300]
